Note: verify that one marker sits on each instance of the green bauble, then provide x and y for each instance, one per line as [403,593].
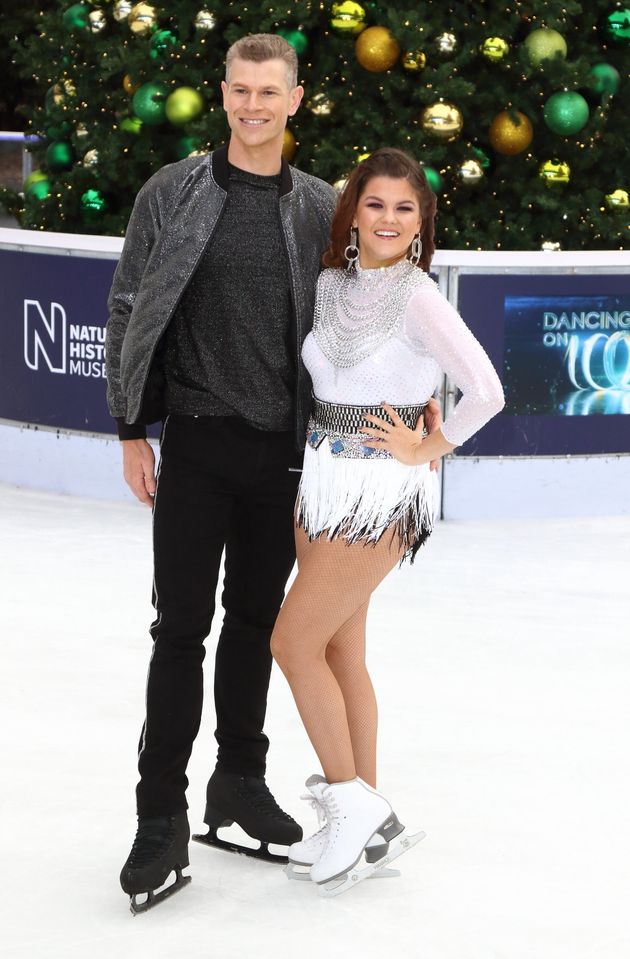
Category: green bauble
[93,205]
[604,79]
[566,113]
[434,179]
[183,105]
[482,158]
[38,190]
[76,17]
[296,37]
[545,44]
[131,125]
[185,146]
[59,156]
[616,26]
[162,43]
[149,103]
[59,131]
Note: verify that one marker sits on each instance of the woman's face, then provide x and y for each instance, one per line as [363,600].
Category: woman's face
[387,218]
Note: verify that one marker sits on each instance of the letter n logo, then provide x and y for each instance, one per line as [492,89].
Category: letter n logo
[45,336]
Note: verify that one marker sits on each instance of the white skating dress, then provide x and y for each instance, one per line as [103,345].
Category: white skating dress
[383,335]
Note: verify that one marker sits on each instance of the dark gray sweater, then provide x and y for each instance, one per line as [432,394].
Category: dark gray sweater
[228,349]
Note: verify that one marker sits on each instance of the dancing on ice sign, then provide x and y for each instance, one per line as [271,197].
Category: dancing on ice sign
[567,355]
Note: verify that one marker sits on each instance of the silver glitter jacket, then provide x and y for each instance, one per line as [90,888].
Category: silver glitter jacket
[174,217]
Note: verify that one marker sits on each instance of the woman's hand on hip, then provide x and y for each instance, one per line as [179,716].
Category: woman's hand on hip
[403,443]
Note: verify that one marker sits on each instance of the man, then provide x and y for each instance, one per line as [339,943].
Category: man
[210,304]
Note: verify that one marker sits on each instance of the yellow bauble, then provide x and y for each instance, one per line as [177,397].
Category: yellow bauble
[91,158]
[495,48]
[96,21]
[129,86]
[442,120]
[446,44]
[142,19]
[320,105]
[289,145]
[470,172]
[414,61]
[205,21]
[363,156]
[554,171]
[618,200]
[508,137]
[348,17]
[377,49]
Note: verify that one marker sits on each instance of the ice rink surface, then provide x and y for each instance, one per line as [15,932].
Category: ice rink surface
[501,662]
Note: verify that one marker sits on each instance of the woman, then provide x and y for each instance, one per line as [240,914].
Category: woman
[382,332]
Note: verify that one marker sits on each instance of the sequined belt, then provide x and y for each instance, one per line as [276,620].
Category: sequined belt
[340,424]
[341,418]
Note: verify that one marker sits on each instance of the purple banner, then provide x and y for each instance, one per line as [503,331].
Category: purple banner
[561,345]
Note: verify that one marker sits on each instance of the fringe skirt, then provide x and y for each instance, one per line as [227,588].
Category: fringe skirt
[359,493]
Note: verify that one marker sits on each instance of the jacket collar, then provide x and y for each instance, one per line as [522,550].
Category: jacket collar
[220,171]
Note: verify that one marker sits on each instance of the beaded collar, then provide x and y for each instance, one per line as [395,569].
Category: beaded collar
[356,312]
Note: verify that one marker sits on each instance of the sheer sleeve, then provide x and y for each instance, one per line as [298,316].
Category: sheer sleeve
[433,325]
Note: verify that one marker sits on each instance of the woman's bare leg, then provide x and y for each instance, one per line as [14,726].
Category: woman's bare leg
[319,643]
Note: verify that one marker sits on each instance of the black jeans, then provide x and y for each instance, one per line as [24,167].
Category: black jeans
[221,484]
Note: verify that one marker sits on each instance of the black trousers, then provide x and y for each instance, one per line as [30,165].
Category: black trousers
[221,485]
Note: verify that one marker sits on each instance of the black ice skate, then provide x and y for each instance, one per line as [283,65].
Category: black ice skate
[247,801]
[160,846]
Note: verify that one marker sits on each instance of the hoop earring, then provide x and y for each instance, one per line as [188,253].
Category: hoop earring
[351,252]
[416,250]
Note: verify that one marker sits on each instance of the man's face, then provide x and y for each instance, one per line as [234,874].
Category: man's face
[258,100]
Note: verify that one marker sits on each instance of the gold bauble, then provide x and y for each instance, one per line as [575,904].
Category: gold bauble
[320,105]
[446,44]
[508,137]
[122,9]
[142,19]
[363,156]
[618,200]
[495,48]
[205,20]
[377,49]
[414,61]
[442,120]
[340,184]
[129,86]
[470,172]
[91,158]
[60,91]
[348,17]
[554,171]
[96,21]
[289,145]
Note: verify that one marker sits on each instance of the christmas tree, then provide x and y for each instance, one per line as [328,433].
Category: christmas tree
[515,110]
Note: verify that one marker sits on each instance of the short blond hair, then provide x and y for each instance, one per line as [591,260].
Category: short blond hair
[259,47]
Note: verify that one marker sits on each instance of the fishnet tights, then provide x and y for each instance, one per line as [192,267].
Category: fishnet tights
[319,643]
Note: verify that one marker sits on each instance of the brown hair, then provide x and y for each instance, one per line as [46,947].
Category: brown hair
[259,47]
[397,165]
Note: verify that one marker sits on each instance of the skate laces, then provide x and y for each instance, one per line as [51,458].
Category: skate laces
[258,795]
[322,821]
[152,835]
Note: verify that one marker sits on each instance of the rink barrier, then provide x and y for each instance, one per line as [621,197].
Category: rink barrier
[56,434]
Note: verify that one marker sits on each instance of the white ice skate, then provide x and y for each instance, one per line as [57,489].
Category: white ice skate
[357,814]
[303,854]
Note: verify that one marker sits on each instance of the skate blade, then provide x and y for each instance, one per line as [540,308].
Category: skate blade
[294,871]
[397,847]
[155,898]
[263,852]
